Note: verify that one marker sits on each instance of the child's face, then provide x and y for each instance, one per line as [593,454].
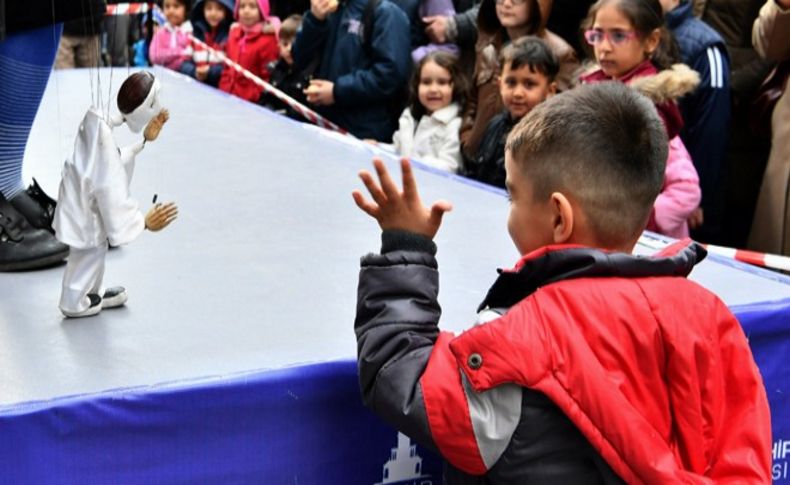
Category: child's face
[214,13]
[619,49]
[249,14]
[436,87]
[522,89]
[175,12]
[285,44]
[513,14]
[529,222]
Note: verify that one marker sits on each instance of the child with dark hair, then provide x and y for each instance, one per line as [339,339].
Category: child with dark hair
[428,128]
[284,76]
[211,21]
[593,365]
[633,46]
[499,23]
[528,77]
[170,44]
[252,43]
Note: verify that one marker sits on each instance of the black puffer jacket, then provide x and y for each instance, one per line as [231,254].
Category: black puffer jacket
[489,164]
[524,437]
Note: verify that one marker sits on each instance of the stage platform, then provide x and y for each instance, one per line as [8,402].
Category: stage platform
[233,361]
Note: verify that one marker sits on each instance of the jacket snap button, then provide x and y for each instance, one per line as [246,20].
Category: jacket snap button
[475,361]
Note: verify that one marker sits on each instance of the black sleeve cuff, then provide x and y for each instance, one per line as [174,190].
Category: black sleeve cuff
[393,240]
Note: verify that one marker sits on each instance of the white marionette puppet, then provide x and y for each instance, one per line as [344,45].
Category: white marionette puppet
[94,200]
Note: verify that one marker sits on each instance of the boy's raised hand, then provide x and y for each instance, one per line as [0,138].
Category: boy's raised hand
[399,210]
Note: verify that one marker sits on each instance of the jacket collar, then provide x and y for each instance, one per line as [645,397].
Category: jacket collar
[551,264]
[646,68]
[446,114]
[679,14]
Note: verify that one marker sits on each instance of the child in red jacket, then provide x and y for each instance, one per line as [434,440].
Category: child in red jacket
[252,43]
[593,365]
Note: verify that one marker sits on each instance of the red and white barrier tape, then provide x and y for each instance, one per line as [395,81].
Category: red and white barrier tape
[126,8]
[303,110]
[772,261]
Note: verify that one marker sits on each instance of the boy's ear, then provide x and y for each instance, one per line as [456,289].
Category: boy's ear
[552,88]
[562,218]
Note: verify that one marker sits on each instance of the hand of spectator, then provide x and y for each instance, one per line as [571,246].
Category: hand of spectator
[269,28]
[696,218]
[320,92]
[436,28]
[201,72]
[399,210]
[160,216]
[371,141]
[322,8]
[155,125]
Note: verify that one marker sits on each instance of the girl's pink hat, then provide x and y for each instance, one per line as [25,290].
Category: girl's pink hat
[263,6]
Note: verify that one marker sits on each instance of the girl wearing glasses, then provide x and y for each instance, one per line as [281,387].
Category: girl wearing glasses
[632,45]
[499,23]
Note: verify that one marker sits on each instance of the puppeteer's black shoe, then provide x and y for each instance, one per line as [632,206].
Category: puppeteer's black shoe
[23,247]
[37,207]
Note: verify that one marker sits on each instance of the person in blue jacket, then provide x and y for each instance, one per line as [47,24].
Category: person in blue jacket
[359,75]
[706,111]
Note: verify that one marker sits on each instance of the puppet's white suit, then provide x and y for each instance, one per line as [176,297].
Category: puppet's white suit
[94,201]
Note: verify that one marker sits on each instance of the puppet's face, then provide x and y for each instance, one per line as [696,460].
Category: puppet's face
[150,107]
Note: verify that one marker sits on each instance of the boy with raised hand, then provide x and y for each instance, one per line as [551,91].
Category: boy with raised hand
[595,366]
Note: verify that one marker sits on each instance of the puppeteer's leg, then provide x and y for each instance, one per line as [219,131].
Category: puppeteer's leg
[82,282]
[25,63]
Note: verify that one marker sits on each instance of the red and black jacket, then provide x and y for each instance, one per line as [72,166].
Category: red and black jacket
[604,367]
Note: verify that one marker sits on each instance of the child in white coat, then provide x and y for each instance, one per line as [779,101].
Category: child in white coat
[428,129]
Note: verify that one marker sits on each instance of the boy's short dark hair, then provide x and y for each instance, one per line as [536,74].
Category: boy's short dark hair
[533,52]
[290,26]
[605,146]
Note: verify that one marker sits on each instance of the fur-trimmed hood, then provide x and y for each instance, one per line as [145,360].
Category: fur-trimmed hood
[660,86]
[669,84]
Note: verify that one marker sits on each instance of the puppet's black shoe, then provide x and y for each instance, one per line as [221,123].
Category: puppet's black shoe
[94,308]
[23,247]
[37,207]
[114,297]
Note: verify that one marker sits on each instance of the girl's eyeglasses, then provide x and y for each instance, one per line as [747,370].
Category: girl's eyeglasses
[616,37]
[514,2]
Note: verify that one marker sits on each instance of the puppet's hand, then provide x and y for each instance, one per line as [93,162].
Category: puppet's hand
[160,216]
[155,125]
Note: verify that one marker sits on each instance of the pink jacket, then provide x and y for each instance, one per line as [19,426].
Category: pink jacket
[171,45]
[679,196]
